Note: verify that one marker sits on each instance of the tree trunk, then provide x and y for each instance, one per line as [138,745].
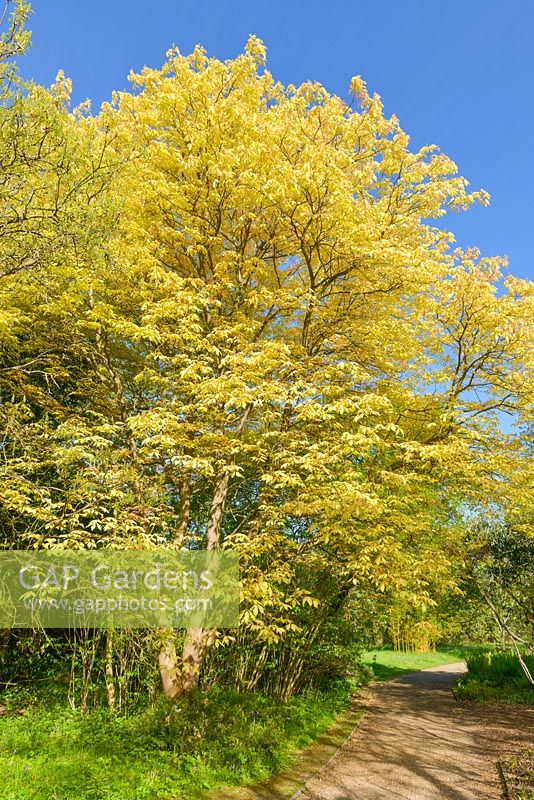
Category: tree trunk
[182,677]
[109,672]
[195,646]
[197,640]
[168,667]
[167,659]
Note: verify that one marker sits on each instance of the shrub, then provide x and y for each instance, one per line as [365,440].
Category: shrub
[496,677]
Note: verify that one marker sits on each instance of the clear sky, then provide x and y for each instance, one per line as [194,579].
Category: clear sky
[458,73]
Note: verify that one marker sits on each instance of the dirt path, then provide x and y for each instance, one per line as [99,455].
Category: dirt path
[417,743]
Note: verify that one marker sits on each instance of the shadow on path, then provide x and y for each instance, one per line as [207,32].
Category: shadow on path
[417,743]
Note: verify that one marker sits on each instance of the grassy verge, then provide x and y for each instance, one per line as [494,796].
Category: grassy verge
[165,753]
[387,663]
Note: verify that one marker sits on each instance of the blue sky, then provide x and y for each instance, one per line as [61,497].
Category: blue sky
[458,73]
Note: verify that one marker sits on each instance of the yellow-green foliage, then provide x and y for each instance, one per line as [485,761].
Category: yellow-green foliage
[227,312]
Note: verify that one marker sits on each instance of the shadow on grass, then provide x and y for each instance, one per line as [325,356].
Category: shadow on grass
[385,673]
[388,664]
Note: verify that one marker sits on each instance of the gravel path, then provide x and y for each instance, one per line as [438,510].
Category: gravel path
[417,743]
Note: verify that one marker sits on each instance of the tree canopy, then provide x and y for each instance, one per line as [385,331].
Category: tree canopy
[232,317]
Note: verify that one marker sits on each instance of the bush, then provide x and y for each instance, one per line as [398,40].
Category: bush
[496,677]
[499,668]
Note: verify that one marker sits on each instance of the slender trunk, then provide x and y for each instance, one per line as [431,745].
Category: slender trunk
[185,510]
[181,678]
[109,672]
[168,666]
[252,681]
[216,512]
[167,658]
[197,640]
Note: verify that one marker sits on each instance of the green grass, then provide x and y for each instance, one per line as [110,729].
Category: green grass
[387,663]
[171,752]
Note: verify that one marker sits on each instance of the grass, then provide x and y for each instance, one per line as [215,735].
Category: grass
[387,663]
[171,752]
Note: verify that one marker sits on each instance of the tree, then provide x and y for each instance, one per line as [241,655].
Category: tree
[14,41]
[260,342]
[502,569]
[53,173]
[294,300]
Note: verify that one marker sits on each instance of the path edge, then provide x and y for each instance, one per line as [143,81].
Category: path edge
[332,739]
